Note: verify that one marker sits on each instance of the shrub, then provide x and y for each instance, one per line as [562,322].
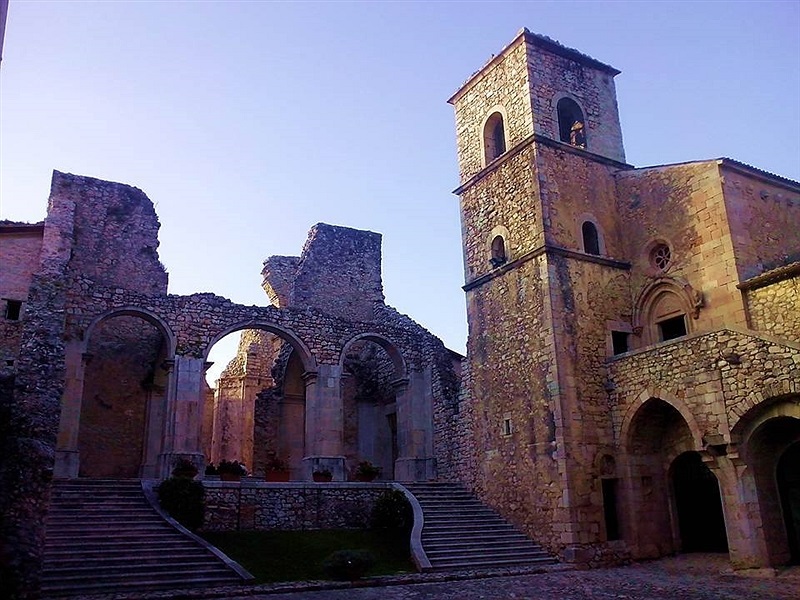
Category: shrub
[184,500]
[393,512]
[348,565]
[184,468]
[231,467]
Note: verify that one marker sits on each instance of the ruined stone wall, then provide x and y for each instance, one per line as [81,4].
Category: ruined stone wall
[683,206]
[292,506]
[340,272]
[503,84]
[556,72]
[116,238]
[279,273]
[775,308]
[764,221]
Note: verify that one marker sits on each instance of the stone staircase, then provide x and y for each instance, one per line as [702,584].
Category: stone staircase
[462,533]
[103,536]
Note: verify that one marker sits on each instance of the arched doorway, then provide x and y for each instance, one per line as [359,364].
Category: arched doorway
[698,505]
[373,420]
[788,479]
[124,394]
[255,406]
[657,433]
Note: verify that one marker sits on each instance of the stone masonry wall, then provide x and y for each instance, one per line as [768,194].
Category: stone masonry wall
[683,206]
[512,375]
[575,189]
[115,243]
[340,272]
[775,309]
[764,221]
[718,376]
[556,72]
[506,85]
[20,247]
[505,198]
[289,506]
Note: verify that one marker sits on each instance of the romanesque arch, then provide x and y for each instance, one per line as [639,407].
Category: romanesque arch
[655,432]
[373,372]
[256,414]
[769,443]
[119,395]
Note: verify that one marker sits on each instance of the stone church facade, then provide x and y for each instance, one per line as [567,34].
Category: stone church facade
[632,381]
[631,386]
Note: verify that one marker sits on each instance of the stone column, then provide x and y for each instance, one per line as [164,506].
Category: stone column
[67,459]
[414,402]
[154,423]
[740,505]
[184,414]
[324,422]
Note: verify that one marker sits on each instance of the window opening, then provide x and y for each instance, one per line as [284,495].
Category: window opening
[494,137]
[498,251]
[619,341]
[13,309]
[660,257]
[591,241]
[672,328]
[610,513]
[507,426]
[571,124]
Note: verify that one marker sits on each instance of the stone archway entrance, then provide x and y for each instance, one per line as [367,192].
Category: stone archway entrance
[122,407]
[698,506]
[788,479]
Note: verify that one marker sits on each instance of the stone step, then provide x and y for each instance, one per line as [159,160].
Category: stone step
[69,588]
[459,532]
[104,537]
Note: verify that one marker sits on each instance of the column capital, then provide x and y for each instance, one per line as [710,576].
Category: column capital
[309,377]
[400,384]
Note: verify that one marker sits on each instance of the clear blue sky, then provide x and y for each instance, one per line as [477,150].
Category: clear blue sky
[248,122]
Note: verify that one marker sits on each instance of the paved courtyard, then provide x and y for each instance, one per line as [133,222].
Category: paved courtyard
[689,577]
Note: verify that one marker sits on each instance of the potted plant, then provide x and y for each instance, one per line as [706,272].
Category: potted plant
[366,471]
[276,469]
[231,470]
[322,475]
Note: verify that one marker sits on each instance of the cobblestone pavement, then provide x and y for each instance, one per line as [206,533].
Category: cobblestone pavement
[689,577]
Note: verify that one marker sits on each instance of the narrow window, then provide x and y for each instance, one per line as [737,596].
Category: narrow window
[506,426]
[591,241]
[610,513]
[13,309]
[498,251]
[619,341]
[571,124]
[494,137]
[672,328]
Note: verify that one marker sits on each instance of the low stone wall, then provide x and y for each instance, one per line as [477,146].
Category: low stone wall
[258,505]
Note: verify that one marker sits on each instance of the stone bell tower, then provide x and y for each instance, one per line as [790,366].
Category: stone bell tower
[539,141]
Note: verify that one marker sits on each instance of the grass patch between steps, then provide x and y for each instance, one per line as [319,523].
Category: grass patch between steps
[297,555]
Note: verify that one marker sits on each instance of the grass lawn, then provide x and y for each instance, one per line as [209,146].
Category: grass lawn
[298,555]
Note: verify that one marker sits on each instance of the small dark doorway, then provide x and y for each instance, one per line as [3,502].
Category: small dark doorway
[788,476]
[698,504]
